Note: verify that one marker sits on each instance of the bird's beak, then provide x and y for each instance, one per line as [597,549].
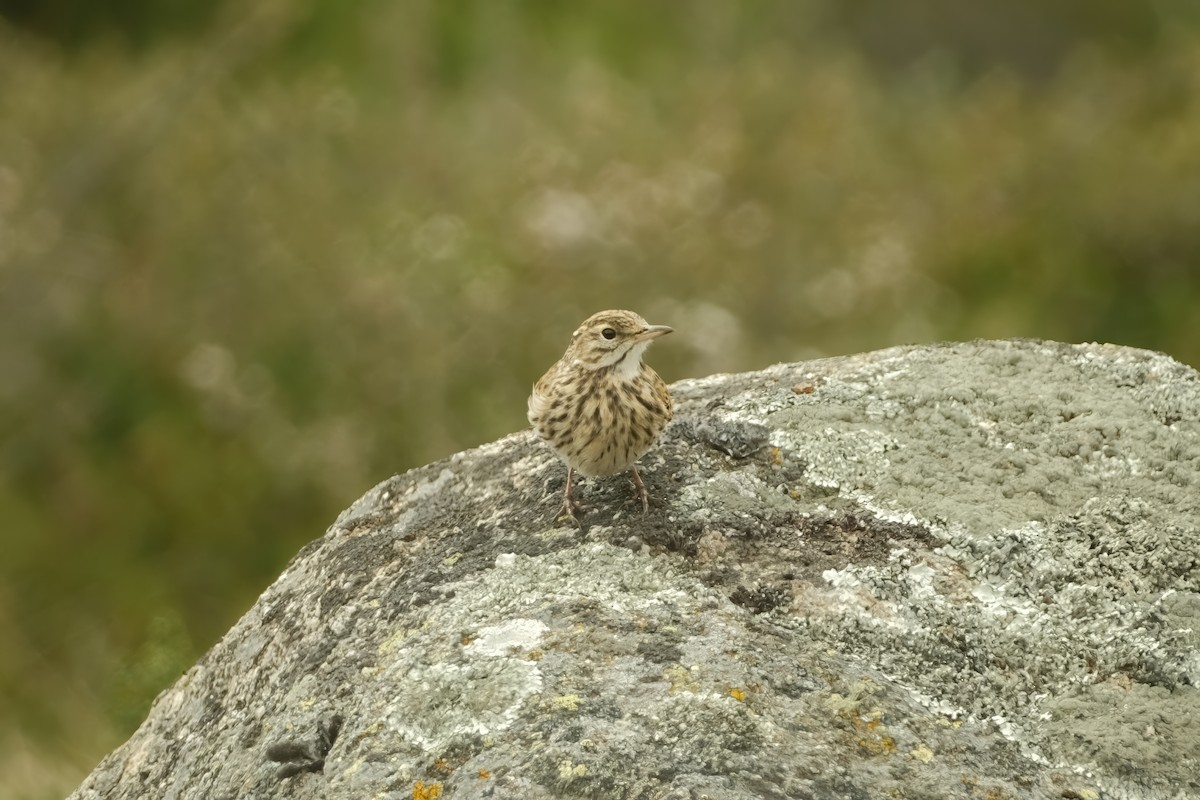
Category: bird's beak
[653,332]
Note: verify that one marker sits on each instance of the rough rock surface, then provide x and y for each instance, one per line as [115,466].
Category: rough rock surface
[967,570]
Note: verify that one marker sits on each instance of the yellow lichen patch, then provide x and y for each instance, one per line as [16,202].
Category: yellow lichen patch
[849,706]
[568,772]
[737,694]
[877,745]
[567,702]
[870,733]
[680,678]
[921,753]
[426,791]
[485,774]
[393,642]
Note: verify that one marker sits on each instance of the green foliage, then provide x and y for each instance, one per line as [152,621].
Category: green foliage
[244,277]
[138,23]
[164,655]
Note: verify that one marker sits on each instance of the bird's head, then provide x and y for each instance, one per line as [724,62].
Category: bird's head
[613,339]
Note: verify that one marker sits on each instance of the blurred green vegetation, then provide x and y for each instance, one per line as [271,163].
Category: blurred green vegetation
[252,263]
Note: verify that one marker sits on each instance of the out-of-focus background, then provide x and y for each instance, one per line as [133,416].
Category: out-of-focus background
[256,257]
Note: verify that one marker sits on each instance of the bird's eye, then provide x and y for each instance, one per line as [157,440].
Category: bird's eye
[608,333]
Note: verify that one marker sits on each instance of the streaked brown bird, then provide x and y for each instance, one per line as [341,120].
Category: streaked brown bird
[600,407]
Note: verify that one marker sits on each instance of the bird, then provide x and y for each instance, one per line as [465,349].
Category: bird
[600,407]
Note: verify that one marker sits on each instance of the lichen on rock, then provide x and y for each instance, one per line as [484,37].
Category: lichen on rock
[905,573]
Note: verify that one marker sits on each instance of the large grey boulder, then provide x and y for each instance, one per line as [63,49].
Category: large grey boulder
[967,570]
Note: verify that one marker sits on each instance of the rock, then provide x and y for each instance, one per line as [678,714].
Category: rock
[968,570]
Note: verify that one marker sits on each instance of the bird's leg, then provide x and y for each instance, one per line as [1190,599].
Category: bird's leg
[640,488]
[571,508]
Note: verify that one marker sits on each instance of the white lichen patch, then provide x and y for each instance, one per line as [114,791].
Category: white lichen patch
[431,705]
[844,456]
[506,638]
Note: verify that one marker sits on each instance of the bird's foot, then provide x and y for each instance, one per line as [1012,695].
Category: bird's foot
[640,489]
[570,507]
[571,510]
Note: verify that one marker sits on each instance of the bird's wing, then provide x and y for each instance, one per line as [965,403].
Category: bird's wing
[539,398]
[660,387]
